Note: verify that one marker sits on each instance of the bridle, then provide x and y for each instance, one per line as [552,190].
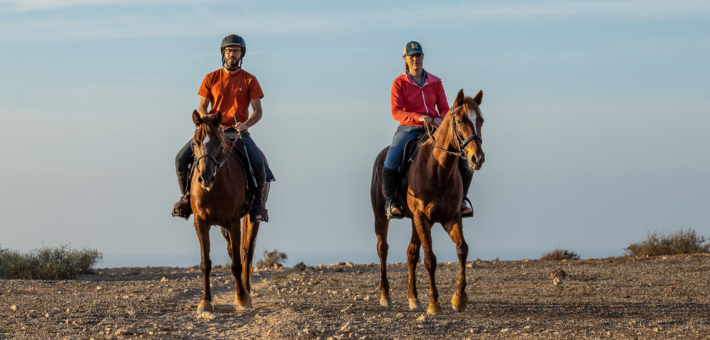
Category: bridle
[218,164]
[454,133]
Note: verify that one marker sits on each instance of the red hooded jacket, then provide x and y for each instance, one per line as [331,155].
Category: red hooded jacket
[409,101]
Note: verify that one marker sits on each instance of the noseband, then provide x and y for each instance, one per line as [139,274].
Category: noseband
[218,164]
[461,152]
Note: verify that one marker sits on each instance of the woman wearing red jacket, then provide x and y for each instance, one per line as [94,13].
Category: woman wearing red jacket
[417,97]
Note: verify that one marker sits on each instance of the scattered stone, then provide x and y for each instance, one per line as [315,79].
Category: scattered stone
[557,281]
[13,307]
[366,298]
[164,279]
[126,331]
[347,328]
[131,311]
[349,264]
[208,316]
[504,330]
[348,310]
[469,265]
[319,266]
[399,316]
[98,287]
[226,308]
[278,265]
[422,318]
[72,337]
[558,273]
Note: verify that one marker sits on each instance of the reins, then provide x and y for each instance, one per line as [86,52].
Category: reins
[454,135]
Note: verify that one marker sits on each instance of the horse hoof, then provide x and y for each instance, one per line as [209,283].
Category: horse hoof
[415,306]
[459,302]
[386,302]
[244,303]
[433,308]
[205,306]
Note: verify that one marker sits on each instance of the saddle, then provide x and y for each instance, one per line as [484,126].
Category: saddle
[410,151]
[244,161]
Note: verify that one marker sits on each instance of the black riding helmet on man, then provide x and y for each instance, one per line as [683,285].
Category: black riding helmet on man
[230,90]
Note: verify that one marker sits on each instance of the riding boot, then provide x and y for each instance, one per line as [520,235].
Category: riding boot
[466,178]
[390,180]
[258,212]
[183,208]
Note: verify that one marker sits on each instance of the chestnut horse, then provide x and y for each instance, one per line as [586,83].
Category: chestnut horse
[218,191]
[434,194]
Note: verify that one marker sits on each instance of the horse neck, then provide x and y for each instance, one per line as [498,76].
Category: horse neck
[446,162]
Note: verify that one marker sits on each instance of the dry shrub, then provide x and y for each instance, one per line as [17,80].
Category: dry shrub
[680,242]
[559,254]
[271,258]
[47,263]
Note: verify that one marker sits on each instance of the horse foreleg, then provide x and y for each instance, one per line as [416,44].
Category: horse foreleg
[242,296]
[412,260]
[249,230]
[424,231]
[203,233]
[381,227]
[225,233]
[455,230]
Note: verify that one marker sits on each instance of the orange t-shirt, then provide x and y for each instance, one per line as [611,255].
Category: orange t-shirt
[230,94]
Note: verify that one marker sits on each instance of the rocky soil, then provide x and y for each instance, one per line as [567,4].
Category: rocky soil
[642,298]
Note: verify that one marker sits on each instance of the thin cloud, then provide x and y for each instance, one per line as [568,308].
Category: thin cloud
[275,19]
[25,5]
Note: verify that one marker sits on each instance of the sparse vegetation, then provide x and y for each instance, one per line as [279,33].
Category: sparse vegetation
[559,254]
[300,266]
[338,270]
[272,258]
[47,263]
[680,242]
[280,277]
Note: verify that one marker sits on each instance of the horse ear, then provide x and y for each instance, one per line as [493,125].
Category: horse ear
[459,99]
[218,118]
[196,118]
[479,97]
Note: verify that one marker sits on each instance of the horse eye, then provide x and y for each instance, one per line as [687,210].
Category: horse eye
[459,122]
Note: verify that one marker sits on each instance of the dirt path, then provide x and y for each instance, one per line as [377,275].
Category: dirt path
[646,298]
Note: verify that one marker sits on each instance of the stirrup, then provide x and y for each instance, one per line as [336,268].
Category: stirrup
[391,204]
[258,213]
[465,207]
[182,208]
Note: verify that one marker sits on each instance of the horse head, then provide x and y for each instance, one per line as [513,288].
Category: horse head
[207,148]
[466,125]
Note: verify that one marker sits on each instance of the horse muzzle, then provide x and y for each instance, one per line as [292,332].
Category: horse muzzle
[478,159]
[206,182]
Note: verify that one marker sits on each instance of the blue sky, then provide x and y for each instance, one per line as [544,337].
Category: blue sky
[596,120]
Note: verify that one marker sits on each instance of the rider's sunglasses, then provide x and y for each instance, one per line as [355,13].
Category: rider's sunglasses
[232,51]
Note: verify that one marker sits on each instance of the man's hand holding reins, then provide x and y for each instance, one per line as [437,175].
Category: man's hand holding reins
[437,121]
[241,126]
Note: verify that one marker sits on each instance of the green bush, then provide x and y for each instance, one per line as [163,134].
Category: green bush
[680,242]
[271,258]
[559,254]
[47,263]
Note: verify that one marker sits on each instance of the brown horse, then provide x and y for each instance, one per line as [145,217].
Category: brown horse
[434,194]
[218,191]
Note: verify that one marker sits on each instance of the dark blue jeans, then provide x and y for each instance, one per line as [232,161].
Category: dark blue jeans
[404,134]
[184,157]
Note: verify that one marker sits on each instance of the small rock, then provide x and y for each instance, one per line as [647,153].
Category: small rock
[347,328]
[366,298]
[13,307]
[208,316]
[98,287]
[348,310]
[399,316]
[557,281]
[72,337]
[349,264]
[469,265]
[319,266]
[505,330]
[558,273]
[164,279]
[225,308]
[126,331]
[131,311]
[422,318]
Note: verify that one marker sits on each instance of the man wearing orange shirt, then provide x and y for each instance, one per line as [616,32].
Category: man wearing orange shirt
[230,90]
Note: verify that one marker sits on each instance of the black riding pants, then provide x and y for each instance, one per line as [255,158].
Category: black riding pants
[184,157]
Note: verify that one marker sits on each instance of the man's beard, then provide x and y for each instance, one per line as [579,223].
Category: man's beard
[231,63]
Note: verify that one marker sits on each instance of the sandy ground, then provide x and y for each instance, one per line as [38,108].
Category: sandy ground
[642,298]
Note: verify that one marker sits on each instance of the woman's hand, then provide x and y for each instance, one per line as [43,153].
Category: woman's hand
[437,121]
[425,119]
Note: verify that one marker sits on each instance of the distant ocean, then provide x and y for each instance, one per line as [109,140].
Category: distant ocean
[219,256]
